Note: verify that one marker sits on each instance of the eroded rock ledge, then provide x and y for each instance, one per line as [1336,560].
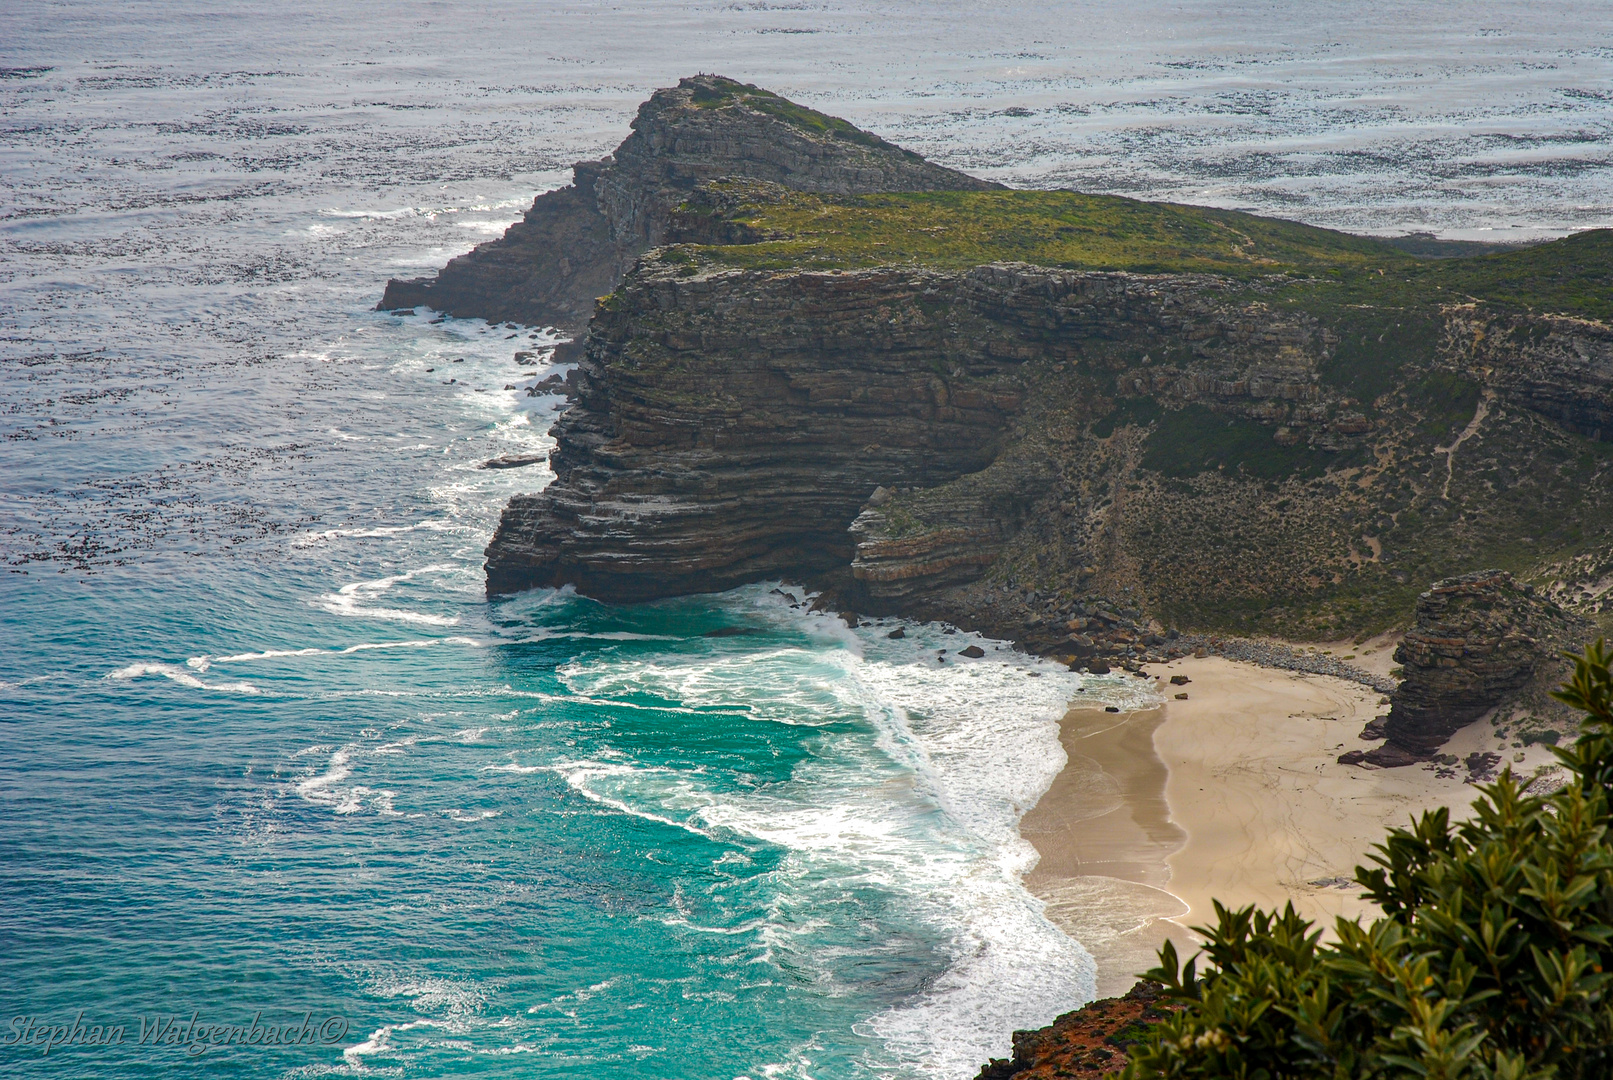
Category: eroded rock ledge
[731,426]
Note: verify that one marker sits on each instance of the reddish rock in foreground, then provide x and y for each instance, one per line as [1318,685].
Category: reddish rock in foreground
[1091,1041]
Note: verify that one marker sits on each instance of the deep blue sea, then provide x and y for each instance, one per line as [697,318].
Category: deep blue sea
[269,758]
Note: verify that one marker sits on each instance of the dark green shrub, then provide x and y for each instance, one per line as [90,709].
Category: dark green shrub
[1487,963]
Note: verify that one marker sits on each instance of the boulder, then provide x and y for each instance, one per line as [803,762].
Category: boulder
[1476,642]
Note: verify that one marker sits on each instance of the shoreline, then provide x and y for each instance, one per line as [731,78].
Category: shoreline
[1233,794]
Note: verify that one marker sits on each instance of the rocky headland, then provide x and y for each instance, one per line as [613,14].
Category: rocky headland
[575,243]
[1112,431]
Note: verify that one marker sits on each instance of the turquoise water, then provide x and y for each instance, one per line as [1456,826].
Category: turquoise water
[267,749]
[311,769]
[267,755]
[520,839]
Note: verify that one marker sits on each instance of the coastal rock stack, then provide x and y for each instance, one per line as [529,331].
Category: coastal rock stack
[1477,641]
[575,243]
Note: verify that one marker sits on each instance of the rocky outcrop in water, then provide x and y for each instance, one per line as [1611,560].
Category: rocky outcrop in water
[575,243]
[1477,641]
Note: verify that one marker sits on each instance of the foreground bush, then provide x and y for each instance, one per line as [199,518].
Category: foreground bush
[1487,962]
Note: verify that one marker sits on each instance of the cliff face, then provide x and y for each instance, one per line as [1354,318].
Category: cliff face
[969,444]
[737,425]
[575,243]
[1559,366]
[730,427]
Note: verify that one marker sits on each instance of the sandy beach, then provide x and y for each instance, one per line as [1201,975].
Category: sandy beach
[1234,794]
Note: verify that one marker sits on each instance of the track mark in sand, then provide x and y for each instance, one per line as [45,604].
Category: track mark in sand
[1467,433]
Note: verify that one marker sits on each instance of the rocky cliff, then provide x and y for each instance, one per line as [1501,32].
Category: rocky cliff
[1076,421]
[955,441]
[1477,641]
[729,428]
[575,243]
[1091,1041]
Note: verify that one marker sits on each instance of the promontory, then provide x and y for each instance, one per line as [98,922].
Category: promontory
[1087,423]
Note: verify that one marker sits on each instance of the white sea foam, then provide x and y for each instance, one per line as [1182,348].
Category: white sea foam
[322,788]
[351,600]
[30,680]
[203,663]
[382,531]
[180,676]
[924,803]
[470,815]
[327,789]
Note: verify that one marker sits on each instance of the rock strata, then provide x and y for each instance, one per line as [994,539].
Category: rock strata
[733,424]
[575,243]
[1476,643]
[676,475]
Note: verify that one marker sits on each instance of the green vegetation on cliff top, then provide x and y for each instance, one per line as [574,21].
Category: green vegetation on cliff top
[715,92]
[958,230]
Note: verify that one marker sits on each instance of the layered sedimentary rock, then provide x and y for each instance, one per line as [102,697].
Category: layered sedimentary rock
[730,427]
[1559,366]
[575,243]
[1477,640]
[736,424]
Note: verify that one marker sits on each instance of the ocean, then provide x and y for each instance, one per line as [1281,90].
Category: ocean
[282,794]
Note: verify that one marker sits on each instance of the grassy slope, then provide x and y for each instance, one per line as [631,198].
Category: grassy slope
[956,230]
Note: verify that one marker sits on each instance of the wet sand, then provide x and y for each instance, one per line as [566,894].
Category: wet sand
[1105,834]
[1233,794]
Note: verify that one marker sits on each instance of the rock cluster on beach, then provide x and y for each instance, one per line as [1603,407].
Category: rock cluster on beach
[1478,640]
[575,243]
